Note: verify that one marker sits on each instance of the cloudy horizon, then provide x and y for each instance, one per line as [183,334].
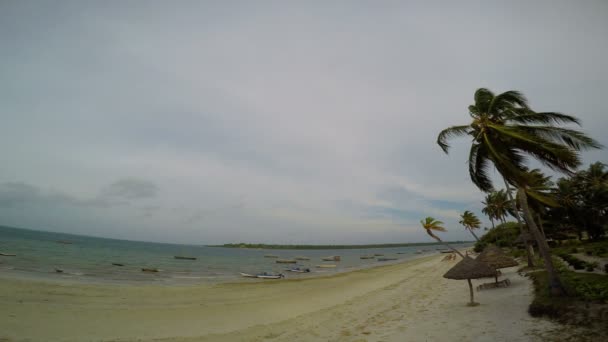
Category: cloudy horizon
[217,122]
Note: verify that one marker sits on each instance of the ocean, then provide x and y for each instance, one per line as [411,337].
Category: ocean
[89,259]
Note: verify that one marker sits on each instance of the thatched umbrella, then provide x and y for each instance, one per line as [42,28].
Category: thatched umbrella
[469,268]
[496,258]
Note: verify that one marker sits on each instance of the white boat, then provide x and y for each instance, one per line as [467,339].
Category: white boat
[298,270]
[332,258]
[263,276]
[247,275]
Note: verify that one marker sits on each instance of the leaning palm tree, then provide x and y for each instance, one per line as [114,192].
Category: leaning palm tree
[430,225]
[489,208]
[470,222]
[504,131]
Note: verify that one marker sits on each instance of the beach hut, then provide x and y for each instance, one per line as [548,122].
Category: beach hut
[496,258]
[469,268]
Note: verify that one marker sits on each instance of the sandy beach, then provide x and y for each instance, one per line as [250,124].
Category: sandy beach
[410,301]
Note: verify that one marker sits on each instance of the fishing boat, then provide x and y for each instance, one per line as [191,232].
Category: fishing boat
[150,270]
[270,276]
[270,256]
[117,264]
[7,254]
[366,257]
[298,270]
[286,261]
[302,258]
[184,257]
[247,275]
[332,258]
[386,259]
[326,266]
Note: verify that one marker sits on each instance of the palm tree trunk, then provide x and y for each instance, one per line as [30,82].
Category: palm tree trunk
[540,224]
[475,236]
[472,303]
[529,250]
[492,220]
[543,248]
[443,243]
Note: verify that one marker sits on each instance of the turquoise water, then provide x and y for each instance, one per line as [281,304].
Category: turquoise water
[89,259]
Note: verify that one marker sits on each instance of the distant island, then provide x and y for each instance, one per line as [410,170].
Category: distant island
[385,245]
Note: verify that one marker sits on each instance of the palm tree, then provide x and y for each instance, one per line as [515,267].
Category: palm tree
[430,225]
[504,131]
[470,222]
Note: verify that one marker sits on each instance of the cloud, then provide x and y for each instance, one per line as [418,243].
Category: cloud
[130,189]
[323,118]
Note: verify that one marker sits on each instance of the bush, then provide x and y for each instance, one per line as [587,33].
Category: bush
[574,250]
[589,252]
[606,268]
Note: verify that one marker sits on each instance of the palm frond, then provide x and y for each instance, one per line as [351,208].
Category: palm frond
[526,116]
[483,98]
[454,131]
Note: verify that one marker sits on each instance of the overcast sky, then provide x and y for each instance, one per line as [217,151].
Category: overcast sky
[261,121]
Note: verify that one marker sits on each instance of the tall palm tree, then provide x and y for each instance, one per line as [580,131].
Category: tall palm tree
[489,208]
[504,132]
[470,222]
[430,225]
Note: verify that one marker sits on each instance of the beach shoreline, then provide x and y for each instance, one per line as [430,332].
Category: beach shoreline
[389,303]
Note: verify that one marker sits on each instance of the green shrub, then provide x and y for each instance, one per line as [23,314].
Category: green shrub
[574,250]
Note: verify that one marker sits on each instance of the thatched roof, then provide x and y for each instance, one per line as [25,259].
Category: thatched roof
[469,268]
[525,236]
[496,258]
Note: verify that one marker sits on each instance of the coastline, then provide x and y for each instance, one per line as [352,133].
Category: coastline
[389,302]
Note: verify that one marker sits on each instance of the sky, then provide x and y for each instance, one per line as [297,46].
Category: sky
[270,121]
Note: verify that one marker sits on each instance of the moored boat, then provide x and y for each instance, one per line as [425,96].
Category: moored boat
[367,257]
[326,266]
[298,270]
[117,264]
[7,254]
[150,270]
[270,256]
[332,258]
[378,254]
[286,261]
[184,257]
[386,259]
[302,258]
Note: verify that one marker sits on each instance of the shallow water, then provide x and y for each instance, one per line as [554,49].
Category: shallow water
[89,259]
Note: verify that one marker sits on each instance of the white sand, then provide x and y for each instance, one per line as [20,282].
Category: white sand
[403,302]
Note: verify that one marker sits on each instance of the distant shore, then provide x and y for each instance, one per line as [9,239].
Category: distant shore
[385,245]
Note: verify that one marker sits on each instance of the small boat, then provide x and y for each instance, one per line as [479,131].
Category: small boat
[404,252]
[58,270]
[270,276]
[247,275]
[151,270]
[298,270]
[117,264]
[446,251]
[263,275]
[8,254]
[302,258]
[378,254]
[367,257]
[386,259]
[270,256]
[332,258]
[184,257]
[326,266]
[286,261]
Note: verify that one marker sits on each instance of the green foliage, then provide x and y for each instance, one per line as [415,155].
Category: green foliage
[388,245]
[503,235]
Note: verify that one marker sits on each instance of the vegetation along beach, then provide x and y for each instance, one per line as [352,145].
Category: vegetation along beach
[270,171]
